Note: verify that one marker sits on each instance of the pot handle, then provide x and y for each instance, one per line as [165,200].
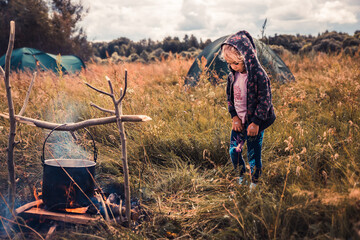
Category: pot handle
[43,150]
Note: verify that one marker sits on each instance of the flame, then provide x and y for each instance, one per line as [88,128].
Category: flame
[70,193]
[81,210]
[36,195]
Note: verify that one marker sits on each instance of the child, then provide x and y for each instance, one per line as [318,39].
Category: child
[249,102]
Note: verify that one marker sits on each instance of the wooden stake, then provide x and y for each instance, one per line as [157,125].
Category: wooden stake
[12,133]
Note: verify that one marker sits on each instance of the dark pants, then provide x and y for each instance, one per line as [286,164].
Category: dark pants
[254,144]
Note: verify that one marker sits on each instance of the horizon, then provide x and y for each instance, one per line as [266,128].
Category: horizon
[181,37]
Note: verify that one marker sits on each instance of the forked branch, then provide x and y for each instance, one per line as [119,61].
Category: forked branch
[120,124]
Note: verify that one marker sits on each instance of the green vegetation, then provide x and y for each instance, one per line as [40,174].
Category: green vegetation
[179,162]
[327,42]
[48,25]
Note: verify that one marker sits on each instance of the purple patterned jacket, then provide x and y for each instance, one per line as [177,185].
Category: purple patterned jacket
[260,109]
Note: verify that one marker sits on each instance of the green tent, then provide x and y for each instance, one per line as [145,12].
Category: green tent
[30,58]
[216,68]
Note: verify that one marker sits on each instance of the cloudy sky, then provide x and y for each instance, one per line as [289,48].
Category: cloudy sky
[156,19]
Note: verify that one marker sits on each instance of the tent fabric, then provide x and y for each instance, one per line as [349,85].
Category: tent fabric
[32,59]
[216,68]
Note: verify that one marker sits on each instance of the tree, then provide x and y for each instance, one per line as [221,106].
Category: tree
[32,23]
[48,25]
[193,42]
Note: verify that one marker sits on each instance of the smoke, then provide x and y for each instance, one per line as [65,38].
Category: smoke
[63,144]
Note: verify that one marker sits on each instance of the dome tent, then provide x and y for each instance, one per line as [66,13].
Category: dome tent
[32,59]
[217,68]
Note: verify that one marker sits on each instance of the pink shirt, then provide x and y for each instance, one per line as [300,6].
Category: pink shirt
[240,89]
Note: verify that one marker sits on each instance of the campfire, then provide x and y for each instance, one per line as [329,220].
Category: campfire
[103,206]
[68,195]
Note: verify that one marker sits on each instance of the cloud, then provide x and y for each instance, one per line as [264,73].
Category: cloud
[336,12]
[194,15]
[156,19]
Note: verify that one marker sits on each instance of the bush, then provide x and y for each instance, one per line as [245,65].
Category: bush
[157,52]
[145,55]
[328,46]
[351,50]
[115,58]
[306,48]
[350,41]
[277,49]
[133,57]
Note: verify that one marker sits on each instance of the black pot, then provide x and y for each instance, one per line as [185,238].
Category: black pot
[68,183]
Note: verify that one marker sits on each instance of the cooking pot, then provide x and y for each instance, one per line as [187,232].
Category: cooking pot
[68,183]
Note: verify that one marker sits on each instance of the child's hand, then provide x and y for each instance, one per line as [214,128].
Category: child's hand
[252,129]
[237,124]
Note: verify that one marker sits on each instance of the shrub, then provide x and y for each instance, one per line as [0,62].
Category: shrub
[350,41]
[328,46]
[157,52]
[145,55]
[133,57]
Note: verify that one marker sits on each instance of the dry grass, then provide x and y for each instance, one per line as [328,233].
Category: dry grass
[179,162]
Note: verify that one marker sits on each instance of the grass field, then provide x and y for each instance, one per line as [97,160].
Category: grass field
[179,162]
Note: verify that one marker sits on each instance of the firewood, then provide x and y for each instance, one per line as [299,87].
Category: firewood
[28,206]
[63,217]
[51,232]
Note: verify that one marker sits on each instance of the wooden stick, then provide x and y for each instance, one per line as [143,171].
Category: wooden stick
[28,206]
[64,217]
[123,92]
[110,86]
[11,142]
[102,109]
[98,90]
[120,124]
[78,125]
[2,71]
[27,95]
[51,231]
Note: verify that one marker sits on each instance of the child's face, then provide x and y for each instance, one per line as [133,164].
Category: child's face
[238,66]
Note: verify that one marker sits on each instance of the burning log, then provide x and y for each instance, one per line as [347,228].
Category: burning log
[28,206]
[63,217]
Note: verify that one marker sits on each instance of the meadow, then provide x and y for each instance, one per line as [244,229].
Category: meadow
[179,162]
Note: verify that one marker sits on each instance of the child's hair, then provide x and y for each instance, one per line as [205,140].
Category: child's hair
[231,53]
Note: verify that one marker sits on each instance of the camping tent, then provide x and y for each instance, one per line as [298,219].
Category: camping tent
[218,68]
[32,59]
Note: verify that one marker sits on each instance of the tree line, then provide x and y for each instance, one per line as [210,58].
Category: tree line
[327,42]
[125,47]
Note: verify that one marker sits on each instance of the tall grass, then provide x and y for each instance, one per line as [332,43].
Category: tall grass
[179,161]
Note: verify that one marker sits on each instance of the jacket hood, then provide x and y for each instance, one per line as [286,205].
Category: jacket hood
[244,43]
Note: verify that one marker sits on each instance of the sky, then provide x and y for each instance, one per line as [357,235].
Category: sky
[210,19]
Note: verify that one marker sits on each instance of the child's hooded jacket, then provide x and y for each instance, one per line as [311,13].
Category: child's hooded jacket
[260,109]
